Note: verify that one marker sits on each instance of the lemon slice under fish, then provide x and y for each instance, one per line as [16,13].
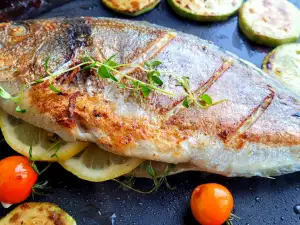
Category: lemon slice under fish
[96,165]
[46,146]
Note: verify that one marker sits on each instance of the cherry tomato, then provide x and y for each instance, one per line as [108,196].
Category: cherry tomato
[17,178]
[211,204]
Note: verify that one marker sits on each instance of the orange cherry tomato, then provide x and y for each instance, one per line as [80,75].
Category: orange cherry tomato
[211,204]
[17,178]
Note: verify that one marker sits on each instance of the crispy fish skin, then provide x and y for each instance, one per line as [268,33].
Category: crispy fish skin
[256,132]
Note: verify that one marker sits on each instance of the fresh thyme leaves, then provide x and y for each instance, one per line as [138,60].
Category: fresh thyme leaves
[18,109]
[46,64]
[152,173]
[228,222]
[104,72]
[158,179]
[31,161]
[153,64]
[54,89]
[4,94]
[145,90]
[40,188]
[39,81]
[186,103]
[57,148]
[108,70]
[230,219]
[206,99]
[46,168]
[203,101]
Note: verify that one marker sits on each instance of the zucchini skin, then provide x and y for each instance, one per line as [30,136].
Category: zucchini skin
[258,38]
[196,17]
[132,14]
[270,62]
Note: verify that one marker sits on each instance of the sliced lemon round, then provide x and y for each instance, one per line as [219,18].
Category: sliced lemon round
[20,136]
[96,165]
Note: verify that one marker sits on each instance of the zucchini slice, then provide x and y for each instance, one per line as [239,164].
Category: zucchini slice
[284,63]
[131,7]
[41,213]
[270,22]
[205,10]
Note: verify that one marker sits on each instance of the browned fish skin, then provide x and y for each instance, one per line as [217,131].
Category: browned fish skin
[247,135]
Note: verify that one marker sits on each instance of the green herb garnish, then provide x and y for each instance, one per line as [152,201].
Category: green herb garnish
[4,94]
[31,161]
[19,110]
[53,88]
[203,101]
[40,188]
[57,148]
[109,69]
[158,180]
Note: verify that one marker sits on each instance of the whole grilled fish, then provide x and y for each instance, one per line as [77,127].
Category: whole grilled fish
[256,131]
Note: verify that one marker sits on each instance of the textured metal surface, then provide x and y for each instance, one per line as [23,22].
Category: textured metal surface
[257,200]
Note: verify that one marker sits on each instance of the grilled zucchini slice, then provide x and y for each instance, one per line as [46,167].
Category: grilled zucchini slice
[41,213]
[205,10]
[270,22]
[284,63]
[131,7]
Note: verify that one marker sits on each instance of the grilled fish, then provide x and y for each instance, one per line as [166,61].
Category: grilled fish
[255,132]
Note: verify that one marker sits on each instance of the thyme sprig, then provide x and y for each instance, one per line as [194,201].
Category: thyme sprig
[158,180]
[109,69]
[40,188]
[55,146]
[5,95]
[112,71]
[32,163]
[203,101]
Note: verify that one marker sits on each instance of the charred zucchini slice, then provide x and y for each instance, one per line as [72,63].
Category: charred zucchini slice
[284,63]
[131,7]
[270,22]
[205,10]
[41,213]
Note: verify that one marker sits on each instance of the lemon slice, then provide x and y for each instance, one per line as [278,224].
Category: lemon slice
[46,146]
[97,165]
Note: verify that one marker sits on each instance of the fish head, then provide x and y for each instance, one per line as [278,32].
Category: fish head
[26,46]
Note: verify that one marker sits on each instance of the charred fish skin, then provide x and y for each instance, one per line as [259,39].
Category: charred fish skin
[253,133]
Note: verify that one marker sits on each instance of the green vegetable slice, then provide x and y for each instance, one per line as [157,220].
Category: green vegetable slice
[284,63]
[205,10]
[270,22]
[41,213]
[131,7]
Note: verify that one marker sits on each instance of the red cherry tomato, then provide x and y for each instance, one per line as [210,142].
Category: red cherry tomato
[16,179]
[211,204]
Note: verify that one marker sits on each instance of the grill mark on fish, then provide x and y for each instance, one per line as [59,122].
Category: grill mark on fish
[151,51]
[205,87]
[201,90]
[235,140]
